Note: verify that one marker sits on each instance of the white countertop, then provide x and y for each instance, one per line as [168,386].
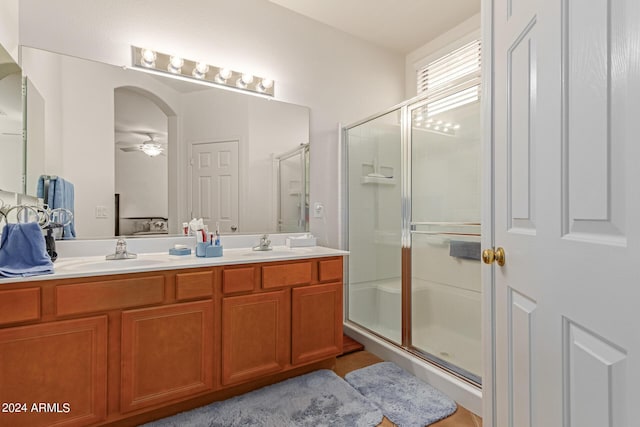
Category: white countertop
[65,268]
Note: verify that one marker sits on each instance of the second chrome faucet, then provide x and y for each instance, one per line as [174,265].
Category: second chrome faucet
[264,245]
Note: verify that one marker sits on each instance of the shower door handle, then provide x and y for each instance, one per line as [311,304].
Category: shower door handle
[497,255]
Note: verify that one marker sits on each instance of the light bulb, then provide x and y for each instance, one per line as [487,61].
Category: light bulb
[447,125]
[200,70]
[439,122]
[430,121]
[437,128]
[148,58]
[225,73]
[175,64]
[456,126]
[267,83]
[419,118]
[244,80]
[247,78]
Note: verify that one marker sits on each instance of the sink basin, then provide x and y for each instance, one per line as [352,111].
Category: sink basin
[268,253]
[101,265]
[277,252]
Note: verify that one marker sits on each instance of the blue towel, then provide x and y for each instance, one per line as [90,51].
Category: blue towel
[61,195]
[23,251]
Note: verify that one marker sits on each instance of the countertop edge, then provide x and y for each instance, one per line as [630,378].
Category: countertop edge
[174,262]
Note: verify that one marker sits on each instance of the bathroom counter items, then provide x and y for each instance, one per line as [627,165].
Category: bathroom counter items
[98,266]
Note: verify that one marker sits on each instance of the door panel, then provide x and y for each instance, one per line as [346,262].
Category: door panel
[564,151]
[214,184]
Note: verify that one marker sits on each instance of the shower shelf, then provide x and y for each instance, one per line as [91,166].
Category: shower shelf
[377,180]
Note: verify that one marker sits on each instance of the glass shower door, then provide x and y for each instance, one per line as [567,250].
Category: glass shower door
[374,154]
[445,297]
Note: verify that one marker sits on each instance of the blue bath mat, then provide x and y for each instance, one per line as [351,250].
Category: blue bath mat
[403,398]
[320,398]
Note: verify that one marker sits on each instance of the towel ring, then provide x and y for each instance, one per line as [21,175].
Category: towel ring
[58,215]
[42,217]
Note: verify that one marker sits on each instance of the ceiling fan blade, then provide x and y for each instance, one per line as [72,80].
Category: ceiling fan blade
[129,149]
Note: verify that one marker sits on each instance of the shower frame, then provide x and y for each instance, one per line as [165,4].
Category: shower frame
[407,227]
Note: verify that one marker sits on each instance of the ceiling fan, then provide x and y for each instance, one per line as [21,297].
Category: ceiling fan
[150,147]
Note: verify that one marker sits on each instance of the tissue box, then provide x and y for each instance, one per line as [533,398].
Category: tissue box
[299,242]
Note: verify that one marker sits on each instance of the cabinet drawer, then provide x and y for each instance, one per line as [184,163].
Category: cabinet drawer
[238,280]
[109,295]
[277,276]
[330,270]
[194,285]
[19,305]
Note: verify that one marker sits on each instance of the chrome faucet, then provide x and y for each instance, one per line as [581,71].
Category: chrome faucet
[121,251]
[264,245]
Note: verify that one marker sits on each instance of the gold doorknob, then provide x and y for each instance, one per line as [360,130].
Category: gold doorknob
[490,255]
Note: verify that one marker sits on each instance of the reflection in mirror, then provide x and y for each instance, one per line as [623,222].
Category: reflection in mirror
[11,142]
[293,190]
[141,169]
[95,128]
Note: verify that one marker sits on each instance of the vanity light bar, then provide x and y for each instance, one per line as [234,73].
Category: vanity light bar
[186,69]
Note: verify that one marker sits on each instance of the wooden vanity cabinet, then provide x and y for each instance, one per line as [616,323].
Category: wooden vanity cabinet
[166,353]
[316,322]
[127,348]
[54,373]
[287,319]
[255,335]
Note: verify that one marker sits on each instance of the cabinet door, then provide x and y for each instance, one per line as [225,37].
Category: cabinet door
[54,373]
[255,335]
[167,353]
[316,329]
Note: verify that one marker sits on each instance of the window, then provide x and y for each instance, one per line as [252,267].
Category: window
[464,61]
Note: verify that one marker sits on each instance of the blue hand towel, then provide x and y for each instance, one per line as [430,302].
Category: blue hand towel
[60,195]
[23,251]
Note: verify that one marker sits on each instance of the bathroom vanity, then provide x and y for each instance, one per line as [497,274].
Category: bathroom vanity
[93,346]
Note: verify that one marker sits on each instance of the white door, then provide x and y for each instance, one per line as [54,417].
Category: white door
[566,130]
[214,184]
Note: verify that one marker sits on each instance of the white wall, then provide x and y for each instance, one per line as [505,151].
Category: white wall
[341,78]
[9,34]
[459,35]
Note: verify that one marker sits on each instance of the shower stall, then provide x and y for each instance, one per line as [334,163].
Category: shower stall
[413,195]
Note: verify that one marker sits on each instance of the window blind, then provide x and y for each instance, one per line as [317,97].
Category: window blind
[464,61]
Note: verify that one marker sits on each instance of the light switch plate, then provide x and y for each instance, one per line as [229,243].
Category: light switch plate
[102,212]
[318,210]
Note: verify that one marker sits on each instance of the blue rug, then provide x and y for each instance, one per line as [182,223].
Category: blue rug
[403,398]
[320,398]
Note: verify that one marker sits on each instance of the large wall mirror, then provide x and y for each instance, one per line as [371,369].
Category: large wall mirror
[146,153]
[12,147]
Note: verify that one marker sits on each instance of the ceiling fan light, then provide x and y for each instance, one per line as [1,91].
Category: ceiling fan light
[151,149]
